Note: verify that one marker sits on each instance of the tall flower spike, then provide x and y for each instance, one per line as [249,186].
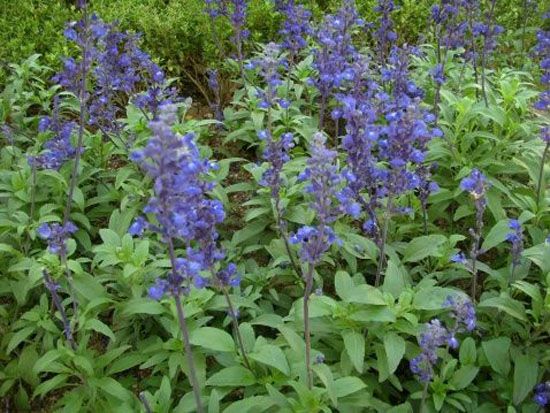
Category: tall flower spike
[385,35]
[434,336]
[296,28]
[515,238]
[464,314]
[335,52]
[183,211]
[180,203]
[477,185]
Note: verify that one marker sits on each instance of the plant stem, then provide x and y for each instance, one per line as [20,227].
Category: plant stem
[424,396]
[70,282]
[475,247]
[146,404]
[185,333]
[52,287]
[189,354]
[425,218]
[82,120]
[27,244]
[235,323]
[307,332]
[284,235]
[382,246]
[541,172]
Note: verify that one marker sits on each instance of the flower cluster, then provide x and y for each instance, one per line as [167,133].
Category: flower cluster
[329,201]
[464,314]
[59,148]
[180,202]
[385,35]
[335,52]
[542,394]
[269,64]
[436,335]
[214,85]
[235,11]
[296,27]
[57,235]
[119,70]
[229,276]
[276,152]
[515,237]
[476,184]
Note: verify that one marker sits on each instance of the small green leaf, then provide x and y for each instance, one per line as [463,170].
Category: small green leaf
[506,304]
[468,354]
[422,247]
[100,327]
[464,376]
[212,339]
[496,235]
[142,306]
[51,384]
[354,344]
[18,338]
[272,356]
[394,345]
[525,376]
[345,386]
[232,377]
[497,353]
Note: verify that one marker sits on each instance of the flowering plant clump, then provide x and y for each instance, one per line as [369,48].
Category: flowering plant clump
[351,214]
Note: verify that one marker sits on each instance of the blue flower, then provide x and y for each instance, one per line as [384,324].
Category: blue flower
[542,394]
[57,235]
[180,204]
[459,258]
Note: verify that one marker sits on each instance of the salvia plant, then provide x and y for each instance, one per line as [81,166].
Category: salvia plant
[352,217]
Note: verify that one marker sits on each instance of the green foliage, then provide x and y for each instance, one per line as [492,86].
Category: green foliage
[363,337]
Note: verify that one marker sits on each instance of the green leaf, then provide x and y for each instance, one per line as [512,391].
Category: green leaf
[18,338]
[432,298]
[250,404]
[232,376]
[395,279]
[506,304]
[126,362]
[248,232]
[100,327]
[496,235]
[366,294]
[212,339]
[51,384]
[468,353]
[45,360]
[394,345]
[539,255]
[142,306]
[324,373]
[354,344]
[422,247]
[526,371]
[345,386]
[109,237]
[464,376]
[497,353]
[113,388]
[272,356]
[343,284]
